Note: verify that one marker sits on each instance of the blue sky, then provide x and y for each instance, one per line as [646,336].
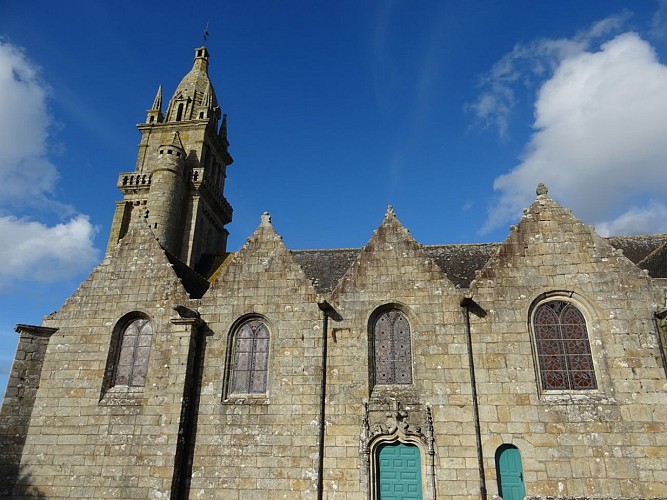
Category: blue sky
[450,111]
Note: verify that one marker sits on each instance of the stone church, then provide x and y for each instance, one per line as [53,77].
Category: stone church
[532,367]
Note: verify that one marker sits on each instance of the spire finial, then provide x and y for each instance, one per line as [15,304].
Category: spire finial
[390,212]
[157,102]
[206,32]
[541,189]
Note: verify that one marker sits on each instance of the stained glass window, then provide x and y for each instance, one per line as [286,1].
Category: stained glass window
[392,353]
[135,350]
[250,358]
[563,349]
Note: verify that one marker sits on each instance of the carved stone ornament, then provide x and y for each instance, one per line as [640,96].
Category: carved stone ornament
[397,424]
[541,189]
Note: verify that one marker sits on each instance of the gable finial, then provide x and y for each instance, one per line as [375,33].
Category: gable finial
[541,189]
[266,219]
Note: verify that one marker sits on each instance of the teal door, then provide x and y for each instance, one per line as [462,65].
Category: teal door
[510,473]
[399,474]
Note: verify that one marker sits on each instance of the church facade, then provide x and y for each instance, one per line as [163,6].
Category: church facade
[532,367]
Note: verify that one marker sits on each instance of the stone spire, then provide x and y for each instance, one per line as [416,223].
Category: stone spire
[155,113]
[180,173]
[157,103]
[194,98]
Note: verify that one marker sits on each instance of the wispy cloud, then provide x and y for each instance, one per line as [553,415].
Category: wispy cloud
[526,66]
[659,21]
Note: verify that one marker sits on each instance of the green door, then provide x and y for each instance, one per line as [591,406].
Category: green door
[510,473]
[399,472]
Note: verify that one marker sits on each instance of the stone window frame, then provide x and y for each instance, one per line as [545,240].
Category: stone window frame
[591,322]
[372,321]
[228,396]
[113,393]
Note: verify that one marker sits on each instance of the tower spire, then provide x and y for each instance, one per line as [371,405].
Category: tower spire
[180,172]
[154,115]
[157,103]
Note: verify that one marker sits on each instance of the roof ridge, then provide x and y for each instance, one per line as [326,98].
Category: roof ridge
[347,249]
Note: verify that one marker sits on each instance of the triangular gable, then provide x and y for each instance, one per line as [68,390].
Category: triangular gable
[137,265]
[264,254]
[392,247]
[549,235]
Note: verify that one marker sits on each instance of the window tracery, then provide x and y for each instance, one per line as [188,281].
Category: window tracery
[392,350]
[563,348]
[134,353]
[249,362]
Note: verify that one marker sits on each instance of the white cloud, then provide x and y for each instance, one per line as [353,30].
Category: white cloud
[527,64]
[652,219]
[36,252]
[599,142]
[25,169]
[32,251]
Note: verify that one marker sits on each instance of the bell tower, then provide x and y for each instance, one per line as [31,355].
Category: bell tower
[179,178]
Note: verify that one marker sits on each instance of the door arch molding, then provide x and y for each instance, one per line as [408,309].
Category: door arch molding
[397,430]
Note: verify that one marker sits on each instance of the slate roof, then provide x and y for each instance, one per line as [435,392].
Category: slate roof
[325,267]
[458,262]
[656,262]
[638,248]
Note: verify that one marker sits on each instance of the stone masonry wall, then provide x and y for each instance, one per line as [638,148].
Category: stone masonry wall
[24,380]
[86,443]
[608,442]
[393,271]
[262,446]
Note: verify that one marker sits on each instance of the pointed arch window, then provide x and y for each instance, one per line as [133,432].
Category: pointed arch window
[391,349]
[135,349]
[129,353]
[250,358]
[563,348]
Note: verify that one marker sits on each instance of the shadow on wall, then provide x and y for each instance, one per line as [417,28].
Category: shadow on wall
[24,488]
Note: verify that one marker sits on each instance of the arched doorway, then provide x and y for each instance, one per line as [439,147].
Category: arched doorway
[510,473]
[398,472]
